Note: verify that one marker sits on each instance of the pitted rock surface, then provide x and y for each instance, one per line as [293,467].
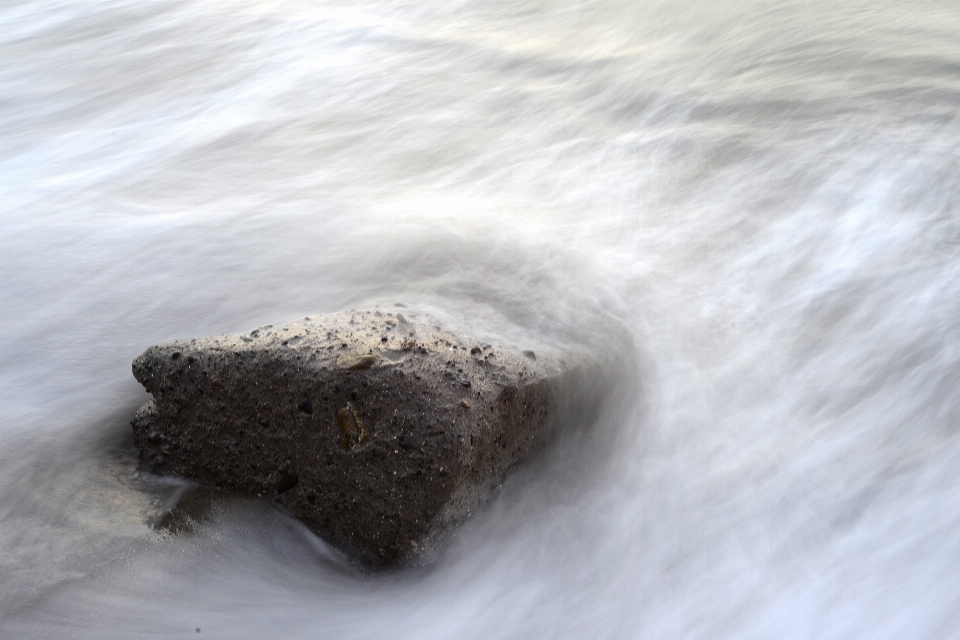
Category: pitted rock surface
[378,432]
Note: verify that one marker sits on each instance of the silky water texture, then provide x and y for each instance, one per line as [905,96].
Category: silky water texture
[749,212]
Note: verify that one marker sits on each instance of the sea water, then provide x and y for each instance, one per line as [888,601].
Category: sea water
[748,211]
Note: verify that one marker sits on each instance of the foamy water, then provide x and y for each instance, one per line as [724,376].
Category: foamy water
[749,211]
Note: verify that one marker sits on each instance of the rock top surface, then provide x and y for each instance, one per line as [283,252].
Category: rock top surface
[379,433]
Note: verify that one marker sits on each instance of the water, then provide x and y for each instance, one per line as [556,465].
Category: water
[750,211]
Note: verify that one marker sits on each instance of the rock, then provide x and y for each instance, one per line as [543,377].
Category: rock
[379,433]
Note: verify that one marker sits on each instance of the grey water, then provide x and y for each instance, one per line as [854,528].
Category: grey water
[750,211]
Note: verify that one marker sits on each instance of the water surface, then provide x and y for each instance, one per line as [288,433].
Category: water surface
[750,211]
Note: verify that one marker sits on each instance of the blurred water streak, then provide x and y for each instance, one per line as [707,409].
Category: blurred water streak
[750,210]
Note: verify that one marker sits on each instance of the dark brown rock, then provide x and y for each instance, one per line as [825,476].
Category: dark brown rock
[379,433]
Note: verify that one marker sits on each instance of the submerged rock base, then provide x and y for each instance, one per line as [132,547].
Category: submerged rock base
[379,433]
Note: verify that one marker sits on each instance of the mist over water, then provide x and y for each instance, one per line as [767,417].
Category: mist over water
[750,213]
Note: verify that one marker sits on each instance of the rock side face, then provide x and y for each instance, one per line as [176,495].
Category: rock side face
[377,432]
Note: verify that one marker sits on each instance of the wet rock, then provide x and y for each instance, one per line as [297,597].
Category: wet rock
[191,507]
[288,481]
[379,432]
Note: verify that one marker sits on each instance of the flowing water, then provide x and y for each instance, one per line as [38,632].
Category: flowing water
[750,211]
